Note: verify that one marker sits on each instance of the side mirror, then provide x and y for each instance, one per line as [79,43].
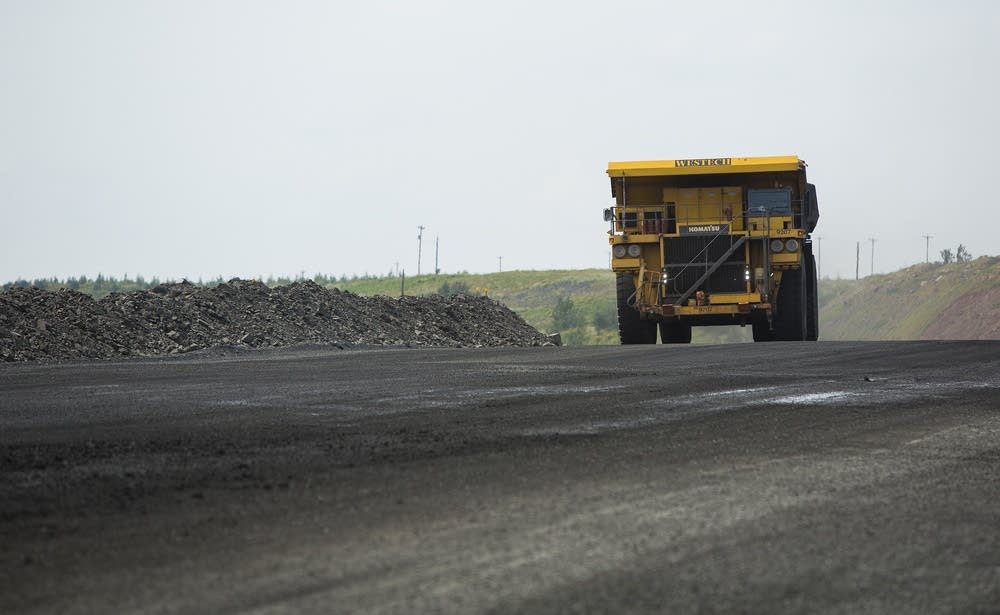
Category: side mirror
[609,215]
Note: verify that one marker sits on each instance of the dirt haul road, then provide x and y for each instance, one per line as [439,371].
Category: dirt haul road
[846,477]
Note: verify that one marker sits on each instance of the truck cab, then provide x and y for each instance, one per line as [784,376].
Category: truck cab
[713,241]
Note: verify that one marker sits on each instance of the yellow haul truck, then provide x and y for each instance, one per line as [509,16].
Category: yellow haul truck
[713,241]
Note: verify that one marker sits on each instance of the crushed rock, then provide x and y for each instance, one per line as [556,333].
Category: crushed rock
[43,325]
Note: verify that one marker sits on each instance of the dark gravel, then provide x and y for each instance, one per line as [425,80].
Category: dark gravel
[169,319]
[831,477]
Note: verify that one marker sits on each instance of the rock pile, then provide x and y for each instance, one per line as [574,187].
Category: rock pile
[167,319]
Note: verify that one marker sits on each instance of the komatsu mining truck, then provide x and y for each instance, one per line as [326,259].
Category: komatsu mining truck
[713,241]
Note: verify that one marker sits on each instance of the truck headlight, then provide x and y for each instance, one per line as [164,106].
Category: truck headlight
[634,250]
[619,250]
[777,245]
[792,245]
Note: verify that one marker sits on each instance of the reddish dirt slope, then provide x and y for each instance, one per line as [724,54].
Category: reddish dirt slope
[973,316]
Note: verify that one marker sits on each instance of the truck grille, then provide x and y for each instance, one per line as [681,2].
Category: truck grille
[687,259]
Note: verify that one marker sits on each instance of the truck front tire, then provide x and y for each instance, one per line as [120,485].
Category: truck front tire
[790,316]
[631,328]
[790,320]
[812,298]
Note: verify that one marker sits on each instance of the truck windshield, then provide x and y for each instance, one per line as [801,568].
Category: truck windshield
[774,201]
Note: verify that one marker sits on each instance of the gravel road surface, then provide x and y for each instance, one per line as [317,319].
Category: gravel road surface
[830,477]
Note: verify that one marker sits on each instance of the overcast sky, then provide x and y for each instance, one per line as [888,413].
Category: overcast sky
[205,138]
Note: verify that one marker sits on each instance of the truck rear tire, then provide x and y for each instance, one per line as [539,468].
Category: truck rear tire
[761,330]
[631,328]
[675,333]
[812,298]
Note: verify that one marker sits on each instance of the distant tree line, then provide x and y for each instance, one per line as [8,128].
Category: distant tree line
[591,323]
[102,285]
[97,287]
[458,287]
[961,255]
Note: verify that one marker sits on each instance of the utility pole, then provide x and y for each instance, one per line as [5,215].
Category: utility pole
[857,262]
[873,240]
[927,253]
[420,246]
[437,241]
[500,266]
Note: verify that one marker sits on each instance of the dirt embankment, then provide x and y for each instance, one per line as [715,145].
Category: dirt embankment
[168,319]
[974,315]
[928,301]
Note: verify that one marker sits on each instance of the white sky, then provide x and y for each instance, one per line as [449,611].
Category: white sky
[204,138]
